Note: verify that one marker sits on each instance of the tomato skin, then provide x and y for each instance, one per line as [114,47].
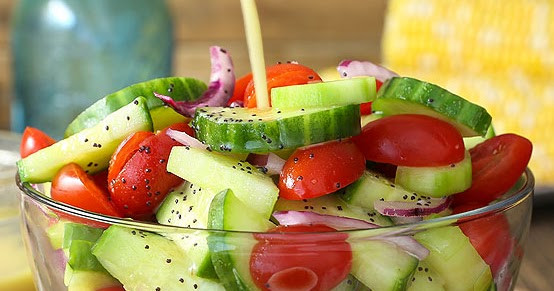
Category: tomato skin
[143,182]
[497,164]
[240,86]
[34,140]
[320,169]
[281,75]
[329,256]
[73,186]
[126,149]
[490,236]
[411,140]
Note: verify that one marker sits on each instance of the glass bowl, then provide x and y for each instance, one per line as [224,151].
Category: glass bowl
[379,256]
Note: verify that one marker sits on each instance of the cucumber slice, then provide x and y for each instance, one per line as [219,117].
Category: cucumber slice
[350,283]
[371,187]
[231,252]
[436,181]
[91,148]
[165,116]
[471,142]
[265,130]
[90,281]
[426,279]
[333,93]
[147,261]
[453,257]
[188,206]
[332,205]
[216,172]
[175,87]
[382,266]
[402,95]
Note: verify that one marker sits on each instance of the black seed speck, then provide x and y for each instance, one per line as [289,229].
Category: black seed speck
[168,261]
[299,178]
[128,118]
[135,102]
[181,280]
[134,187]
[146,246]
[107,127]
[339,208]
[338,185]
[295,159]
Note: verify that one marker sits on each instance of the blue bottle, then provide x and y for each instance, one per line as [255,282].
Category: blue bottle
[69,53]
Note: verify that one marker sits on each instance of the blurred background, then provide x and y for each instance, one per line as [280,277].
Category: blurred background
[59,56]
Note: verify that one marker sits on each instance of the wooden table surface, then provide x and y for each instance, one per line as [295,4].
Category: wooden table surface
[537,269]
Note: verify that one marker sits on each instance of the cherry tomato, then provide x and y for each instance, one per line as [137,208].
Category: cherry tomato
[33,140]
[411,140]
[73,186]
[281,75]
[101,179]
[490,236]
[240,86]
[497,164]
[329,256]
[143,181]
[365,108]
[126,149]
[320,169]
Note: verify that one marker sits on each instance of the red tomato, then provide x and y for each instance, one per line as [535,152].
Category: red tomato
[73,186]
[329,256]
[490,236]
[497,164]
[365,108]
[320,169]
[411,140]
[143,181]
[33,140]
[240,86]
[101,179]
[126,149]
[281,75]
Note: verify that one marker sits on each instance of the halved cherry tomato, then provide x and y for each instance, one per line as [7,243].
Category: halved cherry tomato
[101,179]
[278,76]
[33,140]
[320,169]
[126,149]
[329,256]
[497,164]
[490,236]
[73,186]
[240,86]
[143,181]
[411,140]
[365,108]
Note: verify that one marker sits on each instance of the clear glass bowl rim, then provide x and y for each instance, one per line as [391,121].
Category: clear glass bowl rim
[525,191]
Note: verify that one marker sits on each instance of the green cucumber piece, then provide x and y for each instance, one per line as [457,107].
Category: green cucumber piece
[332,205]
[164,116]
[230,251]
[217,172]
[426,279]
[350,283]
[188,206]
[176,87]
[471,142]
[333,93]
[81,258]
[147,261]
[264,130]
[89,280]
[365,119]
[77,231]
[91,148]
[55,234]
[382,266]
[436,181]
[453,257]
[403,95]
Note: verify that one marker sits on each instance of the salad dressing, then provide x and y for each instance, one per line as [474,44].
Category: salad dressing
[255,51]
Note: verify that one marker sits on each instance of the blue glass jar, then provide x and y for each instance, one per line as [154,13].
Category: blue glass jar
[69,53]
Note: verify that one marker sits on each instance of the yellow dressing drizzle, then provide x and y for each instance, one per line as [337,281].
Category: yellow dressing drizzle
[255,51]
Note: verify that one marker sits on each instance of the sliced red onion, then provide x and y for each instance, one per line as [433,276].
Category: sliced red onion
[185,139]
[271,163]
[409,245]
[305,279]
[350,68]
[418,208]
[307,217]
[220,90]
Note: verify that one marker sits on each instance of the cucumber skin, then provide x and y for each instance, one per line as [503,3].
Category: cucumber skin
[230,252]
[323,94]
[183,89]
[317,125]
[43,165]
[469,118]
[436,181]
